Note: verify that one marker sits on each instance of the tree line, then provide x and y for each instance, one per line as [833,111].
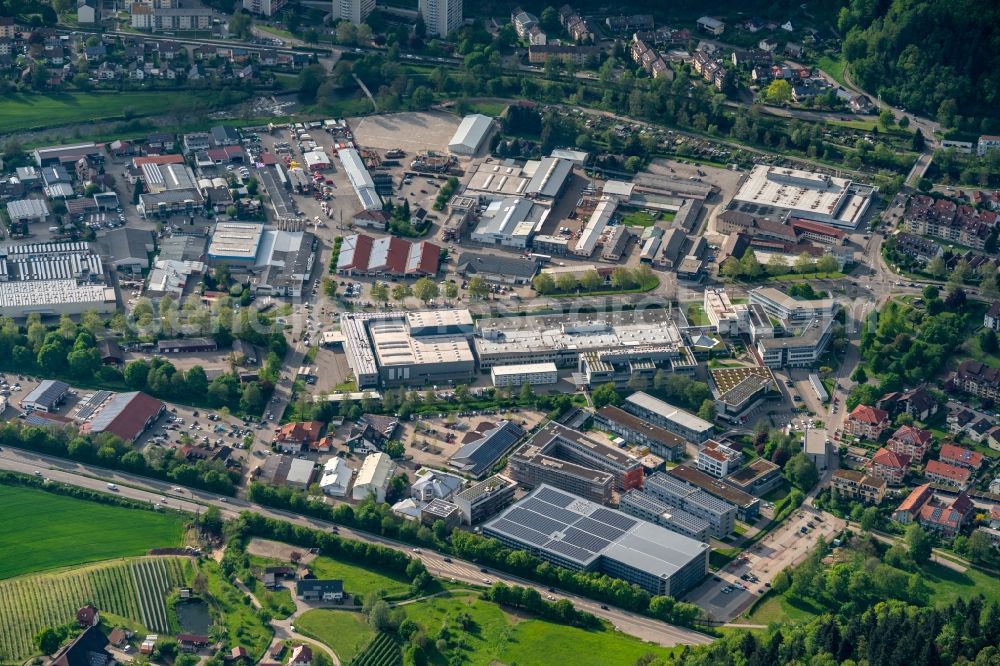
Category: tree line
[641,278]
[111,452]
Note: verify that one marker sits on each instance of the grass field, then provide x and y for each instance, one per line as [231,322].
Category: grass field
[949,584]
[499,637]
[133,589]
[835,68]
[68,535]
[358,580]
[345,632]
[27,111]
[778,608]
[492,109]
[696,315]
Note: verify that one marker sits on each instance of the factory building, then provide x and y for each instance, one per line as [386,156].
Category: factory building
[803,194]
[361,180]
[510,222]
[235,243]
[411,349]
[581,535]
[55,297]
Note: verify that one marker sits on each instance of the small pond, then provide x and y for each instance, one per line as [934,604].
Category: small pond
[194,617]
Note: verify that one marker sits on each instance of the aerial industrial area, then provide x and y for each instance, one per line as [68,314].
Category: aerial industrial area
[454,383]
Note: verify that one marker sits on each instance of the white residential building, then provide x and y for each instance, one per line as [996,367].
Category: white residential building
[441,17]
[355,11]
[336,477]
[373,477]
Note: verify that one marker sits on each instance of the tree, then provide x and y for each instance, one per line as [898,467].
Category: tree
[252,400]
[606,394]
[804,263]
[979,547]
[401,292]
[425,289]
[450,291]
[925,184]
[777,264]
[241,25]
[886,119]
[47,640]
[544,283]
[859,375]
[310,79]
[918,543]
[591,281]
[779,92]
[904,122]
[567,283]
[801,472]
[329,287]
[827,264]
[930,292]
[960,273]
[870,519]
[478,288]
[988,341]
[707,410]
[731,268]
[380,292]
[937,267]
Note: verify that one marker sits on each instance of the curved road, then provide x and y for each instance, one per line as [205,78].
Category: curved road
[194,501]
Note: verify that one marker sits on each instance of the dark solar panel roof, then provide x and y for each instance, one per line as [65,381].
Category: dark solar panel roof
[614,519]
[478,456]
[553,497]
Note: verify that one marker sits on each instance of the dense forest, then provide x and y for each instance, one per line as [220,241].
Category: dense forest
[938,58]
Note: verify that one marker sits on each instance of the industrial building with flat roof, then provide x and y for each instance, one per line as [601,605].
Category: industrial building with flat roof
[643,505]
[804,194]
[671,418]
[485,499]
[55,297]
[596,224]
[235,242]
[72,260]
[584,536]
[640,432]
[718,513]
[411,349]
[533,374]
[562,339]
[470,135]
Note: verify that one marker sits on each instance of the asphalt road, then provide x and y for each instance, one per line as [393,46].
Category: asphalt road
[194,501]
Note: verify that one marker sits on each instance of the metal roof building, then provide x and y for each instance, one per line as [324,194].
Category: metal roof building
[470,134]
[46,396]
[27,209]
[127,415]
[360,179]
[667,416]
[55,297]
[510,222]
[235,241]
[550,178]
[598,221]
[584,536]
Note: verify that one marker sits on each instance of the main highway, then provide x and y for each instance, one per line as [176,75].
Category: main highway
[194,501]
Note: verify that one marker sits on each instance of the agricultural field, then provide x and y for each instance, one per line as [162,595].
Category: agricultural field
[132,589]
[382,651]
[68,536]
[24,111]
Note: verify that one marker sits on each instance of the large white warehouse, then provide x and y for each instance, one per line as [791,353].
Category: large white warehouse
[471,134]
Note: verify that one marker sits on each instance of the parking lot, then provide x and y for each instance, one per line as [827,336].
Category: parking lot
[786,546]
